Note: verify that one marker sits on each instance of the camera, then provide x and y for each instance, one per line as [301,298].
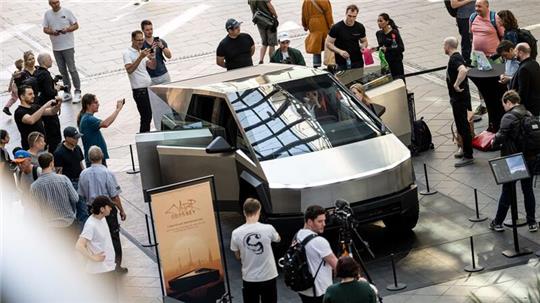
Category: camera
[57,78]
[342,215]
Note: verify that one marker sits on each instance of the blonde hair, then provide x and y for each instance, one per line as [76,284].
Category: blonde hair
[360,88]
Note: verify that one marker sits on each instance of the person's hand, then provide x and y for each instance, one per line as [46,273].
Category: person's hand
[100,257]
[58,101]
[344,54]
[457,88]
[123,215]
[50,104]
[120,104]
[504,79]
[160,44]
[144,53]
[383,49]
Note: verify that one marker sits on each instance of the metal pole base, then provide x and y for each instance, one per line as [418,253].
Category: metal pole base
[469,268]
[132,172]
[519,222]
[537,253]
[479,219]
[510,253]
[394,287]
[428,193]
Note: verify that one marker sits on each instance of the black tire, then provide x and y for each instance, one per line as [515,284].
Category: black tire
[405,221]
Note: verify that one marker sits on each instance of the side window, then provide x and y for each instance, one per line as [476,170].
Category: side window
[216,111]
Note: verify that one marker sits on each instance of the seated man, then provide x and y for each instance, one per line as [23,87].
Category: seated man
[285,54]
[319,107]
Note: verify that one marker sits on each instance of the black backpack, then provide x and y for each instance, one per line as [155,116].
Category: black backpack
[526,36]
[529,135]
[296,267]
[452,11]
[421,137]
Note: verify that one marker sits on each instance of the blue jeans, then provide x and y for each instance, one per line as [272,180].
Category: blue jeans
[81,208]
[528,197]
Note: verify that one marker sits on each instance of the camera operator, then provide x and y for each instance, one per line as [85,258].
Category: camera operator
[320,257]
[47,91]
[352,288]
[285,54]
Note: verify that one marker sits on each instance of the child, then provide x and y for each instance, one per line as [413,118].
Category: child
[13,87]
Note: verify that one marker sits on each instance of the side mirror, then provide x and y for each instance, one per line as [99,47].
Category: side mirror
[379,109]
[218,146]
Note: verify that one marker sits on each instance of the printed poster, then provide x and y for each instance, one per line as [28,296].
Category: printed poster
[189,246]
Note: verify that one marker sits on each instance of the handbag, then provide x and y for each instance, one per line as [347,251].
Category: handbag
[265,21]
[483,141]
[368,57]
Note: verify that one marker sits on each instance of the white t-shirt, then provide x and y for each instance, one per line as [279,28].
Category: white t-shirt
[254,243]
[97,233]
[57,21]
[285,55]
[317,249]
[140,77]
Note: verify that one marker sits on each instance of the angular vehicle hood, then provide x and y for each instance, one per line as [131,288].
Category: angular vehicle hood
[339,164]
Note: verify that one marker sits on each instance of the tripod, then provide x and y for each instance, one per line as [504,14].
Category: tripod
[348,248]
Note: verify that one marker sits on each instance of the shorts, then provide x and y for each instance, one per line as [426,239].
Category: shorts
[268,38]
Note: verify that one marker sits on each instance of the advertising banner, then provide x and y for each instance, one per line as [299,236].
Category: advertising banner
[188,241]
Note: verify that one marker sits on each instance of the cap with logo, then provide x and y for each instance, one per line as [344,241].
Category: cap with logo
[21,155]
[72,132]
[232,24]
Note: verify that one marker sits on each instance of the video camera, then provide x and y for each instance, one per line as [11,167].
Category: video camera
[343,214]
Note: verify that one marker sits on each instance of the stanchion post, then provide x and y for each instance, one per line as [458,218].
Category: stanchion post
[473,267]
[513,210]
[396,286]
[147,228]
[477,218]
[132,171]
[428,191]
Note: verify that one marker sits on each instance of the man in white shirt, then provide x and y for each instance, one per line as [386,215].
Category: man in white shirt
[320,257]
[136,60]
[96,245]
[251,243]
[60,23]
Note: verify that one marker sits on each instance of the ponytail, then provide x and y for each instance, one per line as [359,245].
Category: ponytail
[86,100]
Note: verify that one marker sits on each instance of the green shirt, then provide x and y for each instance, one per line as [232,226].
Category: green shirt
[350,292]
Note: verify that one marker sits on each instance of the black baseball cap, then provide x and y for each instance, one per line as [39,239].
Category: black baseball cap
[232,24]
[72,132]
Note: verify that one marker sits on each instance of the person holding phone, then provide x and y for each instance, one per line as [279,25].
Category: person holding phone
[160,49]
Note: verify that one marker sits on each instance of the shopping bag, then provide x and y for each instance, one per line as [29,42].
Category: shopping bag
[368,57]
[329,58]
[384,64]
[483,140]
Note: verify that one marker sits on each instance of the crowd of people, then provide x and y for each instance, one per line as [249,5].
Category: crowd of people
[72,189]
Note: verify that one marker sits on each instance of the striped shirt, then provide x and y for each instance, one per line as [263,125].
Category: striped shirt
[56,197]
[97,180]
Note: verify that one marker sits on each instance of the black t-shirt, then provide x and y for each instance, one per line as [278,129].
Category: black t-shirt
[456,60]
[348,39]
[69,160]
[45,86]
[393,43]
[237,52]
[26,129]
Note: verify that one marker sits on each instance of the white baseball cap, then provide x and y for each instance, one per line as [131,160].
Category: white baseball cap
[284,36]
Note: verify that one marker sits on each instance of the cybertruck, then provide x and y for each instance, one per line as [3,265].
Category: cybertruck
[290,136]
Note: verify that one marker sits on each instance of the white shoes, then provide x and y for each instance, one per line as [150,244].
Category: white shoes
[66,97]
[77,96]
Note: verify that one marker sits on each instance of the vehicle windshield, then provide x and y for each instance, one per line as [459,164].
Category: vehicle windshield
[302,116]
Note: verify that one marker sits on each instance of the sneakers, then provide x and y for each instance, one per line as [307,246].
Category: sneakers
[77,96]
[533,227]
[6,111]
[66,97]
[464,162]
[477,118]
[496,227]
[480,110]
[121,270]
[459,154]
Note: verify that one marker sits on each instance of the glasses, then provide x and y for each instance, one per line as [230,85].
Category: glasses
[283,42]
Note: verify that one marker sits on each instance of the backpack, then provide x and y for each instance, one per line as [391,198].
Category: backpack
[452,11]
[296,267]
[421,137]
[492,19]
[529,135]
[526,36]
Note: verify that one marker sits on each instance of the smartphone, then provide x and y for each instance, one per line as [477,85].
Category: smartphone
[123,101]
[156,39]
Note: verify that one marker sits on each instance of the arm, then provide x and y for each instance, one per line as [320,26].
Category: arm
[459,3]
[110,119]
[505,129]
[328,16]
[131,67]
[237,255]
[151,63]
[32,119]
[166,51]
[331,46]
[271,8]
[331,260]
[116,200]
[524,84]
[73,195]
[301,60]
[50,31]
[220,61]
[462,74]
[305,19]
[71,28]
[252,49]
[363,43]
[401,45]
[82,247]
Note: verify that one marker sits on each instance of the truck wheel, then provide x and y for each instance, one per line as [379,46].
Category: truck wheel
[405,221]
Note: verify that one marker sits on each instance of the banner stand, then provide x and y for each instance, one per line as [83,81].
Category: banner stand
[226,297]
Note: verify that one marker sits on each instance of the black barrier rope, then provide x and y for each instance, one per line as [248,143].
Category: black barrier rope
[426,71]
